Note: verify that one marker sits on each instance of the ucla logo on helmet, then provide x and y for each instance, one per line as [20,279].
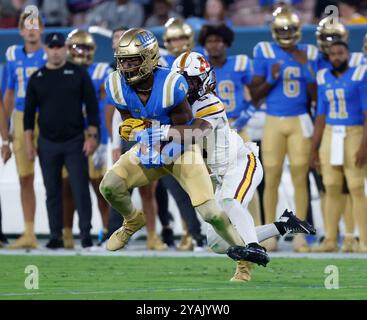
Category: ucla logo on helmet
[146,38]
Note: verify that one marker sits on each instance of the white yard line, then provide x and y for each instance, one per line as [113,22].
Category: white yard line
[173,254]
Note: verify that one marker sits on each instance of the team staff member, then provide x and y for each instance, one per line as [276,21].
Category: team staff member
[59,90]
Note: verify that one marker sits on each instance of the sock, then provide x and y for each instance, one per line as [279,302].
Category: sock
[241,219]
[267,231]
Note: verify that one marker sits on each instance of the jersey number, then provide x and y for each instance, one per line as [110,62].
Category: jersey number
[291,87]
[227,94]
[340,98]
[21,79]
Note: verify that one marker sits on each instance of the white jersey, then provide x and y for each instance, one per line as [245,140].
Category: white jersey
[223,144]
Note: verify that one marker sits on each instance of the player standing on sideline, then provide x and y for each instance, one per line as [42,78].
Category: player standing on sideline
[339,143]
[328,31]
[21,62]
[5,155]
[178,37]
[234,165]
[141,90]
[233,74]
[81,50]
[284,74]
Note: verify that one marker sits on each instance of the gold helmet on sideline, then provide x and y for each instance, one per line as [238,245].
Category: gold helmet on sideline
[137,42]
[286,27]
[81,47]
[176,28]
[328,31]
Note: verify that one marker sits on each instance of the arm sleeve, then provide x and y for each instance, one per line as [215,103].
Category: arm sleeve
[363,94]
[179,92]
[10,77]
[90,99]
[31,103]
[259,63]
[321,108]
[248,73]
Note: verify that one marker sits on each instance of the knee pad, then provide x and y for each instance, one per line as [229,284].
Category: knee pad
[209,211]
[114,189]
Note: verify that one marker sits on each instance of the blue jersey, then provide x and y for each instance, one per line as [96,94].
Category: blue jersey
[98,72]
[169,90]
[19,68]
[356,58]
[342,100]
[288,96]
[231,80]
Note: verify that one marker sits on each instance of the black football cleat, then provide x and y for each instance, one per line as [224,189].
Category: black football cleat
[252,252]
[288,223]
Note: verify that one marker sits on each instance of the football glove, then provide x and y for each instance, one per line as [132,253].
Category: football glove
[100,156]
[244,117]
[131,126]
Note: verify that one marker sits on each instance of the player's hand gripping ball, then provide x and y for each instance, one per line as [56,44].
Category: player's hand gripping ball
[130,126]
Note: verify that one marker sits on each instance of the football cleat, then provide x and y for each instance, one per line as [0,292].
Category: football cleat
[186,243]
[350,244]
[121,236]
[155,243]
[252,252]
[25,241]
[67,237]
[289,223]
[327,245]
[243,272]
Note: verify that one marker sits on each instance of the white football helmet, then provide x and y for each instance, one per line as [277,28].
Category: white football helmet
[197,72]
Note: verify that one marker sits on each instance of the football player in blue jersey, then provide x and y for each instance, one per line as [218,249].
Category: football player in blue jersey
[330,30]
[178,37]
[21,62]
[339,143]
[81,48]
[284,74]
[233,74]
[144,93]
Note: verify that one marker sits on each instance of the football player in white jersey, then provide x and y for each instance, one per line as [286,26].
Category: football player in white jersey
[235,168]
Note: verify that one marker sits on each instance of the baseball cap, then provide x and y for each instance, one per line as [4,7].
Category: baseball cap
[56,39]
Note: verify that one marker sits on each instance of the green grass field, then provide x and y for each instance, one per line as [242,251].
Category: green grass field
[93,277]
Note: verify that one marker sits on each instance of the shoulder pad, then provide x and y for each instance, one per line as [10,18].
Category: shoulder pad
[312,52]
[321,76]
[169,88]
[359,72]
[241,62]
[114,84]
[356,58]
[10,53]
[264,49]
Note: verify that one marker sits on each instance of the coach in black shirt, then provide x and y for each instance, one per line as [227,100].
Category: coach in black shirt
[59,90]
